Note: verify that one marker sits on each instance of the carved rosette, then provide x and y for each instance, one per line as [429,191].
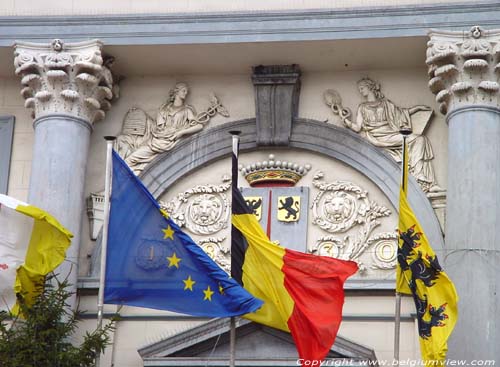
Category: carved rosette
[66,78]
[464,67]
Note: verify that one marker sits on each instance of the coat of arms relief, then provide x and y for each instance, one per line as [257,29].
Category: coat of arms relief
[341,210]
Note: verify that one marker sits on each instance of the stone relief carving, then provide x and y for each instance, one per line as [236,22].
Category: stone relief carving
[340,207]
[385,250]
[214,248]
[379,121]
[69,78]
[463,67]
[95,213]
[109,78]
[273,171]
[203,209]
[144,137]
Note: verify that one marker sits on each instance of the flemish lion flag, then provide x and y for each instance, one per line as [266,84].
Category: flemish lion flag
[32,244]
[303,294]
[420,275]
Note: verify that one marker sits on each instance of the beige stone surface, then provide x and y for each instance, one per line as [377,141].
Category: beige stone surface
[380,337]
[73,7]
[11,103]
[356,304]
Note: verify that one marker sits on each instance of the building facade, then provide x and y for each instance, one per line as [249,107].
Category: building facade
[319,92]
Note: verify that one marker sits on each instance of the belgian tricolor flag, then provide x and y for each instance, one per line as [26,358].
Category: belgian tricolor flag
[303,294]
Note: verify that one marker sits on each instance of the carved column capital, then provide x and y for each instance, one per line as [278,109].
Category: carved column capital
[464,67]
[64,78]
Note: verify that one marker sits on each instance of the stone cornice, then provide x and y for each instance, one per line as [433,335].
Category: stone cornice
[353,23]
[59,78]
[464,68]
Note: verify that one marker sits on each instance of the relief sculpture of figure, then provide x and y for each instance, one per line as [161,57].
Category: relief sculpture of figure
[175,120]
[379,121]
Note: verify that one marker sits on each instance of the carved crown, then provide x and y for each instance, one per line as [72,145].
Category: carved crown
[273,172]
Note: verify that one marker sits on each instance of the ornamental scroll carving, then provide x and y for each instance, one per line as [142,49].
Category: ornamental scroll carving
[143,137]
[343,209]
[203,209]
[72,78]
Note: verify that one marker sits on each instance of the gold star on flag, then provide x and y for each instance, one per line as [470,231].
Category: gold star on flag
[221,289]
[168,233]
[164,213]
[188,283]
[208,294]
[173,261]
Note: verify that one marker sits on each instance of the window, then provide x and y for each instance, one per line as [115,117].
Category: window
[6,135]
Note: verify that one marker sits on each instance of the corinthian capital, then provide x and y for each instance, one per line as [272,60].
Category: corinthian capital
[67,78]
[464,67]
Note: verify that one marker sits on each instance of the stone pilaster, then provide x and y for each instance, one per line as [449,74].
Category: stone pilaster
[68,88]
[464,70]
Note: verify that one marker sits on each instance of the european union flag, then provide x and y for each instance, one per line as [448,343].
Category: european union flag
[152,263]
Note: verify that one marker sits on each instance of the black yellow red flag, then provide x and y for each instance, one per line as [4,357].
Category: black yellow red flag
[419,274]
[303,293]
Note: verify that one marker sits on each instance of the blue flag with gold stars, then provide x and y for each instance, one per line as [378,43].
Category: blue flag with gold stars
[152,263]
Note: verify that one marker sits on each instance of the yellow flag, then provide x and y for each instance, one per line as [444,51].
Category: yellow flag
[419,274]
[32,244]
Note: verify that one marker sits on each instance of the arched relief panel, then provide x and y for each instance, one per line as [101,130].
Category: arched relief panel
[331,141]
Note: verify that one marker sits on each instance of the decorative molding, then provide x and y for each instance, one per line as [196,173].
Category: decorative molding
[464,68]
[64,78]
[167,349]
[95,213]
[273,171]
[236,27]
[6,136]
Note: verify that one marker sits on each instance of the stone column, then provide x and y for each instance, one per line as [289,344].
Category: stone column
[464,69]
[68,89]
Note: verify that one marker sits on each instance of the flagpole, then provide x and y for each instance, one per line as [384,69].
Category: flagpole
[404,131]
[234,183]
[104,242]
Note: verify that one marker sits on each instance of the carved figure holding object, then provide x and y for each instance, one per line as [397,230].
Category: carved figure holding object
[379,121]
